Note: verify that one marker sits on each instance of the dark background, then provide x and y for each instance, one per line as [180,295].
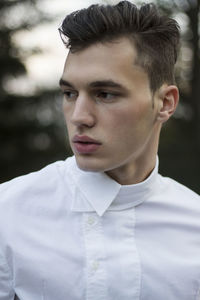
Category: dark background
[32,130]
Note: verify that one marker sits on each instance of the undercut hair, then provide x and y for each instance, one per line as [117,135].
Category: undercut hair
[156,37]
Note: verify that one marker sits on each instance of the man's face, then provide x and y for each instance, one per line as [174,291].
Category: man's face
[108,107]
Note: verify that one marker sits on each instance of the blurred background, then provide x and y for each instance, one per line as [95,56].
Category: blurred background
[32,128]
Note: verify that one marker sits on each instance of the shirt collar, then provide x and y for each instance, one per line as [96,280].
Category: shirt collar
[95,191]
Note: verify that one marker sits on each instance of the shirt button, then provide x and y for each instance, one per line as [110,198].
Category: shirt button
[95,265]
[91,220]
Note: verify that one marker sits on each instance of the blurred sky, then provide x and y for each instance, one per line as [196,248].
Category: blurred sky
[45,69]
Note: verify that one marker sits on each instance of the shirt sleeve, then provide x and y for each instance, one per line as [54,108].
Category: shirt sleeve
[6,284]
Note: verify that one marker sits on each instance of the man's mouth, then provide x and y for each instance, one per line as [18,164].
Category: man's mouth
[85,144]
[84,139]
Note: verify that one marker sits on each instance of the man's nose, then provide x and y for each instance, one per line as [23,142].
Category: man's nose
[84,112]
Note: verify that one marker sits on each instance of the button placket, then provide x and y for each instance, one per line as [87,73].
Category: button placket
[95,257]
[120,242]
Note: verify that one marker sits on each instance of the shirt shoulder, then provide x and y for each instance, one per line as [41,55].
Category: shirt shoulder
[36,183]
[23,182]
[179,192]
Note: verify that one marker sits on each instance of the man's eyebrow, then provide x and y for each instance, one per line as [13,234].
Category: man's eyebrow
[95,84]
[106,83]
[63,82]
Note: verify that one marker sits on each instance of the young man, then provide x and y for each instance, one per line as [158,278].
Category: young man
[104,224]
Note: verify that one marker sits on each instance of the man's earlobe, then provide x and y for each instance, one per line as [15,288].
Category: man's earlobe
[169,96]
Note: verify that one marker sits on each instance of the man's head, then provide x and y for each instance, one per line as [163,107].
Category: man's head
[155,37]
[113,107]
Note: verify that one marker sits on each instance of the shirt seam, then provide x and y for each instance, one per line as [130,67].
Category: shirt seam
[137,252]
[11,281]
[86,254]
[197,297]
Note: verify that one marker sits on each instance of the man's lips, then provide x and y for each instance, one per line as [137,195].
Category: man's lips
[84,139]
[85,144]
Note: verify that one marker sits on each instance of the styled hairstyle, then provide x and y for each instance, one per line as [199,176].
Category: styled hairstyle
[156,37]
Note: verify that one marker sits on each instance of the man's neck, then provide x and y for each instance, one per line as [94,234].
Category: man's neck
[135,172]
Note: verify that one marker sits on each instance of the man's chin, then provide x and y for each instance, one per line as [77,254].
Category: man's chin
[88,165]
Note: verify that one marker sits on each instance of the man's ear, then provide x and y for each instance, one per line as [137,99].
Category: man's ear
[168,99]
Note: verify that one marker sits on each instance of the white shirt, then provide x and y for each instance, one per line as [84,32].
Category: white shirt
[66,234]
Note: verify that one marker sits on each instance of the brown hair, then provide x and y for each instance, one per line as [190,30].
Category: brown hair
[156,37]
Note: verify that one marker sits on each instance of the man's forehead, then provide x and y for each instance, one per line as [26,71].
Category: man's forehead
[121,47]
[102,64]
[113,61]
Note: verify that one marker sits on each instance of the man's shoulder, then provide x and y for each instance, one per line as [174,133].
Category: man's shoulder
[29,179]
[34,183]
[175,189]
[42,193]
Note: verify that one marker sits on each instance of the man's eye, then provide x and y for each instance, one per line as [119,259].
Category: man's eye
[70,95]
[106,96]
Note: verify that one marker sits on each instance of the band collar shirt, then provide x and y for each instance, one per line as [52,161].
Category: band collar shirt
[70,234]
